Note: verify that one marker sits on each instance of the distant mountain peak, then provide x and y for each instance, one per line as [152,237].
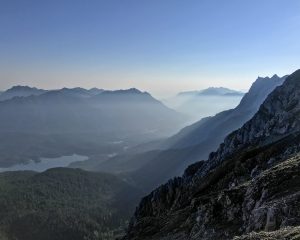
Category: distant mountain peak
[220,91]
[275,76]
[214,129]
[95,91]
[211,91]
[133,90]
[276,117]
[74,89]
[125,91]
[20,91]
[23,88]
[217,88]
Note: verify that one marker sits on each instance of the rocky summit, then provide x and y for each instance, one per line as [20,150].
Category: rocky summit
[248,189]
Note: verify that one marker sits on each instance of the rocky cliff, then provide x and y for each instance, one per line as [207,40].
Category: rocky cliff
[250,184]
[209,132]
[194,142]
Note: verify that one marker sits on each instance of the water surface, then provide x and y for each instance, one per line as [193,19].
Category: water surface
[46,163]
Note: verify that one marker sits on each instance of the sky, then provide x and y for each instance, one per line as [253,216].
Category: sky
[160,46]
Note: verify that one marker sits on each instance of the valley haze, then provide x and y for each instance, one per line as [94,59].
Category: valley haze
[149,120]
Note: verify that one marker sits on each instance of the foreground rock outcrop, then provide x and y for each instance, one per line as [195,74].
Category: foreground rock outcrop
[285,233]
[250,184]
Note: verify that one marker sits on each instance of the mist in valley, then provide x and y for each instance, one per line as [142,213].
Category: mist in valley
[149,120]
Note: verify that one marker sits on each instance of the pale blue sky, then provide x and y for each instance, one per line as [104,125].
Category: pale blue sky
[162,46]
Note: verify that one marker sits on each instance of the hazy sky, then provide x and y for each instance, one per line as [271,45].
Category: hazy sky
[162,46]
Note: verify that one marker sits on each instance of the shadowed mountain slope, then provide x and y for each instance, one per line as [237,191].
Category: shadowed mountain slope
[212,130]
[191,144]
[251,183]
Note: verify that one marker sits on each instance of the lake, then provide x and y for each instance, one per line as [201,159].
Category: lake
[46,163]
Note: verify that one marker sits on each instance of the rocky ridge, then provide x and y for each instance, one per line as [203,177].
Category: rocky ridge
[251,183]
[210,132]
[276,117]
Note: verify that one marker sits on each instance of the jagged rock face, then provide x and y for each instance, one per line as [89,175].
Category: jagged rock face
[277,116]
[195,142]
[250,184]
[211,131]
[229,201]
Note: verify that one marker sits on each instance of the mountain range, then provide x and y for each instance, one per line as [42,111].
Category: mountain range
[221,124]
[194,103]
[170,157]
[212,91]
[20,91]
[247,187]
[249,184]
[37,123]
